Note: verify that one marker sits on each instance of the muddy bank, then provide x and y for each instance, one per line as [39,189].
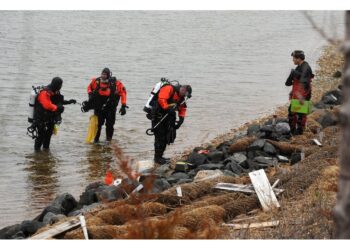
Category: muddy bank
[117,213]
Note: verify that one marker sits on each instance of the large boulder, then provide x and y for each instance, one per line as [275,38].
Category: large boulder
[197,159]
[329,119]
[210,166]
[29,227]
[257,145]
[66,201]
[89,195]
[176,177]
[253,129]
[51,218]
[283,128]
[269,149]
[215,156]
[240,158]
[10,231]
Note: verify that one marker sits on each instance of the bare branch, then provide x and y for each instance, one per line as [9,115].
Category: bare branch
[318,29]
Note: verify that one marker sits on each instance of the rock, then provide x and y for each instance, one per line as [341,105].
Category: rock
[229,173]
[256,145]
[161,184]
[239,158]
[210,166]
[253,129]
[269,149]
[337,74]
[263,161]
[111,193]
[66,201]
[283,128]
[208,174]
[267,129]
[175,177]
[252,154]
[163,170]
[225,149]
[192,173]
[234,167]
[197,159]
[51,218]
[29,227]
[252,165]
[329,119]
[89,195]
[18,236]
[215,156]
[295,157]
[48,209]
[10,231]
[84,209]
[182,181]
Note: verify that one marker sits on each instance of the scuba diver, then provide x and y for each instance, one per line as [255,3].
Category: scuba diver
[46,107]
[168,99]
[104,95]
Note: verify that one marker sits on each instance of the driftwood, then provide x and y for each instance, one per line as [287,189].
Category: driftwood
[57,229]
[253,225]
[241,144]
[286,147]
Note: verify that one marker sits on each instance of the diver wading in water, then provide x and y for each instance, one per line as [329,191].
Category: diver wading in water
[104,94]
[46,106]
[161,109]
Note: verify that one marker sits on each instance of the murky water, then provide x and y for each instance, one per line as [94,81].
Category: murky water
[235,61]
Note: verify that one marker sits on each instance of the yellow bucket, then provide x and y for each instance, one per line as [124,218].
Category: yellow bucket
[93,126]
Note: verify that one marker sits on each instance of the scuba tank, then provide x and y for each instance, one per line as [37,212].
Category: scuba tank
[152,97]
[32,99]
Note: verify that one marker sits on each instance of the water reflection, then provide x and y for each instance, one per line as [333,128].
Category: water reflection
[42,177]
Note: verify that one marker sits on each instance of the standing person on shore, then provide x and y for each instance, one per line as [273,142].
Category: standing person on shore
[300,79]
[104,95]
[169,100]
[47,112]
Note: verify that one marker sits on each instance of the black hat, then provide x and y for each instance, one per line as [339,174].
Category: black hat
[298,54]
[107,71]
[56,84]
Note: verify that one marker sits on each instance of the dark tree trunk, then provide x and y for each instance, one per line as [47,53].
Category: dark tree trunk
[342,208]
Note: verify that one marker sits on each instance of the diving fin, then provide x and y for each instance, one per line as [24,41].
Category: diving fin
[92,131]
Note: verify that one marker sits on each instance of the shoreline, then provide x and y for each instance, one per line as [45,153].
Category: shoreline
[325,82]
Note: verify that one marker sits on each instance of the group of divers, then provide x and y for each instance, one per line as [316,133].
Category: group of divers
[46,104]
[167,99]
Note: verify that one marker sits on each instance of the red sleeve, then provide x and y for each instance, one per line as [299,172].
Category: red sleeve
[164,95]
[121,91]
[182,110]
[91,86]
[45,101]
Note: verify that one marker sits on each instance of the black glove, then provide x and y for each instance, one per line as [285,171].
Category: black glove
[122,110]
[179,122]
[72,101]
[60,109]
[90,96]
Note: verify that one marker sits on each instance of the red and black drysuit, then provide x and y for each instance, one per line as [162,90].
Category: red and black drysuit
[300,79]
[105,96]
[165,133]
[48,109]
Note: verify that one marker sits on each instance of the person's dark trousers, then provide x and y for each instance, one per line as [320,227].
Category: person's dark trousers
[160,137]
[107,116]
[44,136]
[297,122]
[110,121]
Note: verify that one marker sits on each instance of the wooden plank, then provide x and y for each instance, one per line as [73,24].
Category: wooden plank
[263,190]
[83,226]
[57,229]
[253,225]
[249,189]
[235,187]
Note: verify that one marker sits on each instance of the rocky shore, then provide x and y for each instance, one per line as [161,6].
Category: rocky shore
[122,211]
